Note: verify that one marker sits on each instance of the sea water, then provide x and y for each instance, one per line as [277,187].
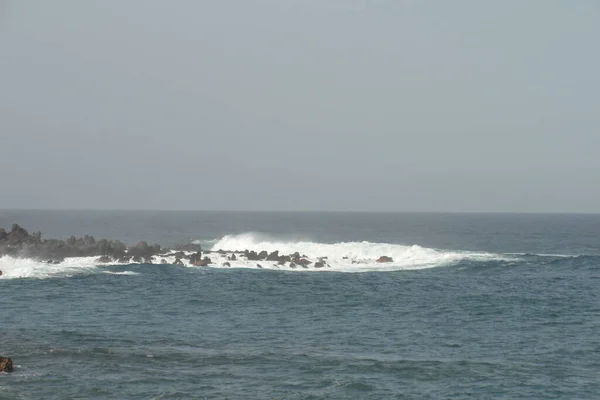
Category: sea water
[483,306]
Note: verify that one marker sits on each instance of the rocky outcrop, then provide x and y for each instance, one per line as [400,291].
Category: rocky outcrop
[17,235]
[251,255]
[19,242]
[144,251]
[302,262]
[384,259]
[196,258]
[6,364]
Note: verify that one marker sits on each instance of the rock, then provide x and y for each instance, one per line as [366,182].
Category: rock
[17,235]
[3,234]
[259,266]
[292,265]
[124,260]
[384,259]
[0,272]
[178,261]
[233,257]
[141,249]
[283,259]
[104,259]
[163,261]
[296,255]
[274,256]
[36,237]
[262,255]
[196,259]
[52,262]
[319,264]
[198,262]
[303,262]
[252,255]
[137,259]
[226,264]
[6,364]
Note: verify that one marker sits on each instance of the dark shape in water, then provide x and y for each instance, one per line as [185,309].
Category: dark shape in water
[6,364]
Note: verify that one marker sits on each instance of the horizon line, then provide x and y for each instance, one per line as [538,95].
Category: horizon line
[304,211]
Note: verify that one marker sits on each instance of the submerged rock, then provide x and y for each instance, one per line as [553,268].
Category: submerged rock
[6,364]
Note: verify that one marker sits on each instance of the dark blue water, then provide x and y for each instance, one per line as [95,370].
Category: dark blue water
[523,325]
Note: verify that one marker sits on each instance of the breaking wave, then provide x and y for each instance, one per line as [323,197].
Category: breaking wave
[352,256]
[12,267]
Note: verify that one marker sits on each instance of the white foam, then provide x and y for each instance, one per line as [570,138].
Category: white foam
[346,256]
[131,273]
[12,267]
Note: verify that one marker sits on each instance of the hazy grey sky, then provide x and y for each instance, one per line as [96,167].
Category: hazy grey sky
[301,105]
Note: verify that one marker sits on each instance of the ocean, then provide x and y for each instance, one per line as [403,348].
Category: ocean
[473,306]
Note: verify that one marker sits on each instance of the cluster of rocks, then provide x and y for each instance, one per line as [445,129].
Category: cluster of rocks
[292,260]
[18,242]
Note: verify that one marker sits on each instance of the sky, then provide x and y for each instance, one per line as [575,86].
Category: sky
[344,105]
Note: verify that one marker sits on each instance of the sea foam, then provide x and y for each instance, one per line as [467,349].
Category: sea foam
[13,267]
[348,256]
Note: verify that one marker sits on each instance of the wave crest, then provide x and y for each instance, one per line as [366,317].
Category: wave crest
[347,255]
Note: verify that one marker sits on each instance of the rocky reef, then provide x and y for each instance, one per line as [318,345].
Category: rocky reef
[18,242]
